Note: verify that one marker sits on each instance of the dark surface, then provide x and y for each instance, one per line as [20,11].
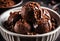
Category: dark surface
[46,1]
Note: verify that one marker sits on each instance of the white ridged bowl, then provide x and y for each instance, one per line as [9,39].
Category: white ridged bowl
[10,36]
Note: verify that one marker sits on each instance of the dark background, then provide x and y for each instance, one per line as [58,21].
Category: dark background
[46,4]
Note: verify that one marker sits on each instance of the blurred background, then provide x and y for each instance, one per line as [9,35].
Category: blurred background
[53,4]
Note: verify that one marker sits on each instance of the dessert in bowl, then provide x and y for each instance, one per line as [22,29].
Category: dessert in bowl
[8,4]
[31,22]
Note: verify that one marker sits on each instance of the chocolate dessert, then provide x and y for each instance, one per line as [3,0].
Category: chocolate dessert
[6,3]
[31,20]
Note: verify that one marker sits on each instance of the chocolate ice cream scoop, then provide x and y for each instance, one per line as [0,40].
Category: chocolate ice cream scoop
[31,20]
[34,14]
[22,27]
[14,17]
[29,10]
[44,22]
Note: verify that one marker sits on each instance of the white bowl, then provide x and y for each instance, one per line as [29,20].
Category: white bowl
[10,36]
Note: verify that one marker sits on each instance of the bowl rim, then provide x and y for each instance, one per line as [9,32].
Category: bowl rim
[15,5]
[38,35]
[56,5]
